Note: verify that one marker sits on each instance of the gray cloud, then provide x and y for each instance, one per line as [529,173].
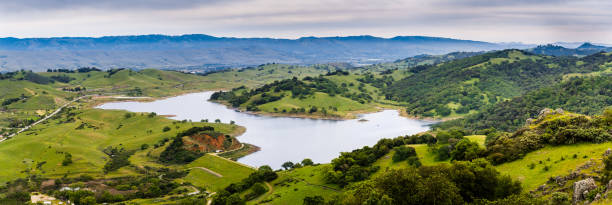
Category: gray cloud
[497,3]
[24,5]
[490,20]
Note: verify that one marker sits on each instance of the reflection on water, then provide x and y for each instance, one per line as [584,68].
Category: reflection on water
[283,138]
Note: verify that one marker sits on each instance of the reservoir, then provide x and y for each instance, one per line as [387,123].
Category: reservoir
[284,139]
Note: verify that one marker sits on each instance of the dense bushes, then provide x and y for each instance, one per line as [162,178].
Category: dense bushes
[356,165]
[36,78]
[301,89]
[585,95]
[119,157]
[566,129]
[17,197]
[466,150]
[176,153]
[231,194]
[9,101]
[475,82]
[62,78]
[402,153]
[442,184]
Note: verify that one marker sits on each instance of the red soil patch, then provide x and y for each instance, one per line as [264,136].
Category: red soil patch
[207,143]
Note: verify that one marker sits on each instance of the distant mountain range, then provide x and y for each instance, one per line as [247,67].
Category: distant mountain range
[582,50]
[208,52]
[204,52]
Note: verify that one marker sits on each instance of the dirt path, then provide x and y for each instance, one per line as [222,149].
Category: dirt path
[42,120]
[209,171]
[235,162]
[241,146]
[195,191]
[209,202]
[320,186]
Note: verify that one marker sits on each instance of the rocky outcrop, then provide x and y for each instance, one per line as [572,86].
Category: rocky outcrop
[582,188]
[547,111]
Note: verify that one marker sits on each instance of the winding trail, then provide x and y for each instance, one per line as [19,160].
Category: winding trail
[235,162]
[208,170]
[209,202]
[195,191]
[62,107]
[218,153]
[45,118]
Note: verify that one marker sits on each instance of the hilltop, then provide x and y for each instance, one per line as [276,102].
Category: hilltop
[467,85]
[447,86]
[582,50]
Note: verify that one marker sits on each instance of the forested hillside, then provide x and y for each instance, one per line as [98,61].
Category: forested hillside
[587,95]
[470,84]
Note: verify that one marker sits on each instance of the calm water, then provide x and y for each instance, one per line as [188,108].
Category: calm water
[283,138]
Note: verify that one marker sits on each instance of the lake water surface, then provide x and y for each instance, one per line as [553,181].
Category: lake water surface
[284,138]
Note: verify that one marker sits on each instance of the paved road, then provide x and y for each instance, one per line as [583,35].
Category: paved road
[45,118]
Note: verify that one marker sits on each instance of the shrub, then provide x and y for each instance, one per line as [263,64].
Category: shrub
[314,200]
[466,150]
[402,153]
[307,162]
[144,146]
[560,198]
[67,159]
[531,166]
[414,161]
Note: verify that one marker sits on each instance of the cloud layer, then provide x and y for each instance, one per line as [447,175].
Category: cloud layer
[489,20]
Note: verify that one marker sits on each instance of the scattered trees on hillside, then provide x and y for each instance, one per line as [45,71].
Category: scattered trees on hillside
[307,162]
[287,165]
[231,193]
[585,95]
[119,157]
[569,129]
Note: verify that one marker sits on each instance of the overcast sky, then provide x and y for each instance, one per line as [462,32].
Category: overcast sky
[487,20]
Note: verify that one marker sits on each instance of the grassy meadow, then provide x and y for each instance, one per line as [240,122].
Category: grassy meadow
[560,161]
[232,172]
[293,185]
[42,149]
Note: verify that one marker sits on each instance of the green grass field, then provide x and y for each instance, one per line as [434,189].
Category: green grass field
[47,143]
[551,156]
[336,106]
[232,172]
[426,157]
[480,139]
[261,75]
[321,100]
[292,186]
[40,99]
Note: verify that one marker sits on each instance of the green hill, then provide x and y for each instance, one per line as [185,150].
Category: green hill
[469,84]
[85,134]
[338,94]
[586,95]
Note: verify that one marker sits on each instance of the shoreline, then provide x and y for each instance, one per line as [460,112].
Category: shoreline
[240,130]
[350,115]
